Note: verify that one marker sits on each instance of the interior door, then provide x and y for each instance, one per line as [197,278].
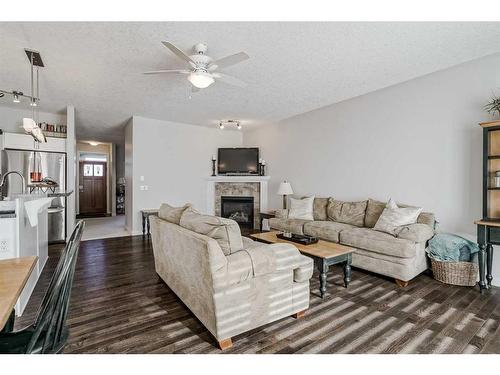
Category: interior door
[92,188]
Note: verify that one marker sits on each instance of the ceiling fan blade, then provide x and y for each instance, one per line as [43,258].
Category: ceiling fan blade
[229,80]
[176,71]
[179,53]
[229,60]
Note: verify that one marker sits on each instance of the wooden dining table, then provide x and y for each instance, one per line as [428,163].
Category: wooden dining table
[14,273]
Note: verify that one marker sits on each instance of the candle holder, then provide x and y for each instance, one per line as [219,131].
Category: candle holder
[213,167]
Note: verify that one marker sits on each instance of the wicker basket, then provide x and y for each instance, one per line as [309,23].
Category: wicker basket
[455,273]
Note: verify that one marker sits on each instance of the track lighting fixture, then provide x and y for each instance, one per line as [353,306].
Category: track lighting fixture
[15,95]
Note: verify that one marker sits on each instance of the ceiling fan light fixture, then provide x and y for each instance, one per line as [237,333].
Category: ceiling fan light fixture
[201,79]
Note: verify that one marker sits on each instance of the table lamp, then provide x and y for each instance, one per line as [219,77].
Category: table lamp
[285,189]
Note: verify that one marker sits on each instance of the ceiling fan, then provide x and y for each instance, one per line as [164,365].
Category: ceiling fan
[202,70]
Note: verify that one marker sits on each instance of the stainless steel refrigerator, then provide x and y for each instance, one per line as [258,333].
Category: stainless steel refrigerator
[51,165]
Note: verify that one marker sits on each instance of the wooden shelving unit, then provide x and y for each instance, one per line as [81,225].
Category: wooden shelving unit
[491,165]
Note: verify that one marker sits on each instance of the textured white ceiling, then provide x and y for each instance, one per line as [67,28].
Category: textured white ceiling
[293,67]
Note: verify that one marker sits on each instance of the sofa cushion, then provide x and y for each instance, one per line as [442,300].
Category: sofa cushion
[288,225]
[347,212]
[373,211]
[281,213]
[225,231]
[378,242]
[172,214]
[301,208]
[319,209]
[326,230]
[249,243]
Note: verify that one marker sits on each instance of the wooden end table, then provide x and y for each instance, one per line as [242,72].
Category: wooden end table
[145,219]
[324,254]
[266,215]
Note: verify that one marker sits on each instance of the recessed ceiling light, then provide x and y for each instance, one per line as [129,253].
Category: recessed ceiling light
[93,143]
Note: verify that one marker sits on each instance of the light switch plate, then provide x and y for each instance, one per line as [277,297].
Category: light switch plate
[141,178]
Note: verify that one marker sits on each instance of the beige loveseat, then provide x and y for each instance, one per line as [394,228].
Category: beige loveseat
[231,283]
[401,256]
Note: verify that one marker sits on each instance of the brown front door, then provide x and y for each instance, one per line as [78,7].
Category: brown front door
[92,188]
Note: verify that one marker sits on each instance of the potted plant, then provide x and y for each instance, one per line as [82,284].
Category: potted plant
[493,106]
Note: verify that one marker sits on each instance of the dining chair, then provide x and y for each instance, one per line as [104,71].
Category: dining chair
[48,333]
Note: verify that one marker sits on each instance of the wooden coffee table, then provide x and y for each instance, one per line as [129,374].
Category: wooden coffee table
[324,253]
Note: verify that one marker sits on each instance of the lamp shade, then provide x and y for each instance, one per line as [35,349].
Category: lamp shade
[285,188]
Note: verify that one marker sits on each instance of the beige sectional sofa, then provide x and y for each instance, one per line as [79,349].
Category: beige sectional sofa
[231,283]
[401,256]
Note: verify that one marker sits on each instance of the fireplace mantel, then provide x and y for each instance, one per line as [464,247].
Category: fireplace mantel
[212,180]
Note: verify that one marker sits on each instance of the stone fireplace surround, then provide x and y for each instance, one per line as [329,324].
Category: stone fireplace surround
[243,186]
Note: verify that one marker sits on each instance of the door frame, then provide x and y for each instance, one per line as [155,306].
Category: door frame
[104,177]
[110,179]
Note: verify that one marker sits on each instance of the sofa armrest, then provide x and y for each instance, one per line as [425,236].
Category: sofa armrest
[289,258]
[304,270]
[281,213]
[415,232]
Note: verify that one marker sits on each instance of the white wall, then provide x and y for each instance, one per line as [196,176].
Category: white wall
[11,119]
[418,142]
[174,160]
[70,170]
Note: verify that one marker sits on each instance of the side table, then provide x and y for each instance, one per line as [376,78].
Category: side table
[266,215]
[488,234]
[145,219]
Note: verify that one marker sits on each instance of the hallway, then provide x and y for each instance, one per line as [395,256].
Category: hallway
[104,227]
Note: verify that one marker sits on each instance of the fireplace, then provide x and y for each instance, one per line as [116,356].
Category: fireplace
[240,209]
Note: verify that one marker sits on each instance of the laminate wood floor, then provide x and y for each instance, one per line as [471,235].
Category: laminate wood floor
[119,305]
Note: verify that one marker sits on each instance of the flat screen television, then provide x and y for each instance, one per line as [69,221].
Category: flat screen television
[238,161]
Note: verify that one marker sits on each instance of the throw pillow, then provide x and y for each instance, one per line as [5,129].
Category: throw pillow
[393,217]
[225,231]
[172,214]
[301,208]
[347,212]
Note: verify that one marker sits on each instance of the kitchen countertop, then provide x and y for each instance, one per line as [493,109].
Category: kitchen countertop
[60,194]
[48,194]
